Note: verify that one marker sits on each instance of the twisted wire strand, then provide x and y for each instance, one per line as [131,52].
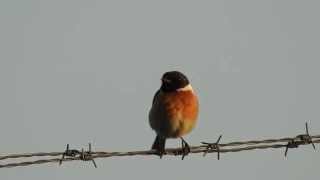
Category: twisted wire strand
[27,155]
[266,141]
[246,146]
[236,143]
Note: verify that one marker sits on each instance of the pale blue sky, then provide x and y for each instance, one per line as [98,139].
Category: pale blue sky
[86,71]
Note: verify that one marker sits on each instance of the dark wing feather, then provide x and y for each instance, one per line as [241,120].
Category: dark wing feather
[155,96]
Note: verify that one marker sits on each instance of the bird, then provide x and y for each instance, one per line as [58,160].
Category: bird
[174,111]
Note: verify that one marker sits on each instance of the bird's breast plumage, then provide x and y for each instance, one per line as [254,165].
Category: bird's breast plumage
[174,114]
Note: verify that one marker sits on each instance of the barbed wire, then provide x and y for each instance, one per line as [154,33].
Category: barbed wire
[205,147]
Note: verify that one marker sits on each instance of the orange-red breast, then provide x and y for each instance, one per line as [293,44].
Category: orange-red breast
[174,111]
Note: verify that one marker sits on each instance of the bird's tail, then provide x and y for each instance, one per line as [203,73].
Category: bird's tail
[159,145]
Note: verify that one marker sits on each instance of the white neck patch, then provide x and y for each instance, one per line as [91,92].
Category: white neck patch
[186,88]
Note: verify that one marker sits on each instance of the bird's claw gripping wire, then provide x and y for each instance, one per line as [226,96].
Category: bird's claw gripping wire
[185,148]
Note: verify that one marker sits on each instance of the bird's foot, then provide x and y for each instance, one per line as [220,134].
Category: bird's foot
[161,152]
[185,148]
[159,146]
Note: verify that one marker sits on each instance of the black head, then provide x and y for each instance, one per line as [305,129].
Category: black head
[173,80]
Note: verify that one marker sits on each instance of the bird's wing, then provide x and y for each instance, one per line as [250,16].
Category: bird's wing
[155,96]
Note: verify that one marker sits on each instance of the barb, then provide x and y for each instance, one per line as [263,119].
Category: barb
[211,146]
[87,156]
[70,153]
[303,139]
[75,155]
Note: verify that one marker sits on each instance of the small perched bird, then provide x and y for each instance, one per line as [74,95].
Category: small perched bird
[174,111]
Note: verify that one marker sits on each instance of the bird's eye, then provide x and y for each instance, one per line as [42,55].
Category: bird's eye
[165,80]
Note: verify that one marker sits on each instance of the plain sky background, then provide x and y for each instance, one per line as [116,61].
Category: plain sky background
[86,71]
